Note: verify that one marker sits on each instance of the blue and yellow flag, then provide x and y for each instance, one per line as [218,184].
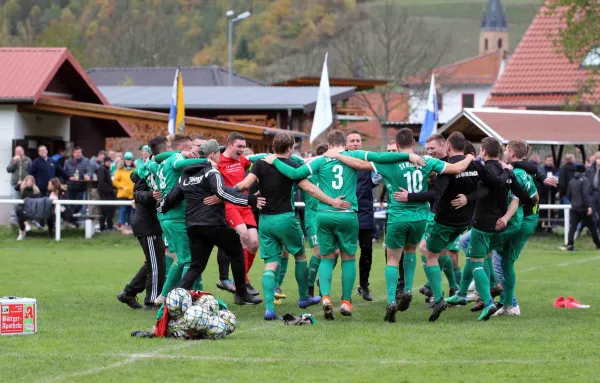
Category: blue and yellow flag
[177,112]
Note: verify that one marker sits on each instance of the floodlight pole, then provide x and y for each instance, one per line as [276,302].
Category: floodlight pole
[230,22]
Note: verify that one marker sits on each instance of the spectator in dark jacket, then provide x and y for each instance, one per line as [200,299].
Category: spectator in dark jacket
[566,173]
[44,168]
[77,168]
[146,228]
[106,191]
[593,175]
[96,162]
[547,195]
[579,193]
[60,157]
[26,189]
[19,167]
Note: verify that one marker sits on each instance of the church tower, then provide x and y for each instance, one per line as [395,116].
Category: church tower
[494,29]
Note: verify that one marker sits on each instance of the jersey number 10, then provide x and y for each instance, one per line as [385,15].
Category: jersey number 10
[414,181]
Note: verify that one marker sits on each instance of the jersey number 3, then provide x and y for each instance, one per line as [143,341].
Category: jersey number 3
[414,181]
[337,174]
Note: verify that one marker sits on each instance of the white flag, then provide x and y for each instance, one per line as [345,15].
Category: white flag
[323,114]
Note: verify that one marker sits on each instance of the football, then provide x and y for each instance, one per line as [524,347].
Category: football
[178,300]
[196,317]
[216,328]
[178,329]
[209,302]
[229,318]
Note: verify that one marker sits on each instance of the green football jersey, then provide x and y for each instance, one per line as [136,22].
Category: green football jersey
[310,202]
[412,178]
[527,183]
[168,177]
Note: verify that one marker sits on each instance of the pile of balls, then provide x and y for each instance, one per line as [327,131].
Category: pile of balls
[199,319]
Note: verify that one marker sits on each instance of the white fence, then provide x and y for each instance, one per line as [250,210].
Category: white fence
[89,227]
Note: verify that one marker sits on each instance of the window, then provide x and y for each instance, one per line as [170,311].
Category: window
[440,101]
[468,100]
[592,60]
[499,43]
[485,43]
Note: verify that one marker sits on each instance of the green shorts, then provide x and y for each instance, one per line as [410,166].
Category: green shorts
[337,230]
[277,231]
[455,245]
[176,232]
[430,221]
[166,241]
[311,235]
[482,243]
[439,236]
[513,244]
[398,234]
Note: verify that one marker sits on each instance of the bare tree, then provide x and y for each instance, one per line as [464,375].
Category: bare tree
[390,45]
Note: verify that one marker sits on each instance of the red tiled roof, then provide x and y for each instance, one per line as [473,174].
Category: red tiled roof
[533,126]
[26,72]
[537,73]
[482,69]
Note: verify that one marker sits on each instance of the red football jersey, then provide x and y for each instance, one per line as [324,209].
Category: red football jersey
[233,171]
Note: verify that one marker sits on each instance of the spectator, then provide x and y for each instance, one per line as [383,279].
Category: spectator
[547,195]
[593,175]
[579,193]
[19,167]
[106,191]
[115,163]
[44,168]
[146,152]
[77,168]
[124,186]
[566,173]
[96,162]
[56,191]
[61,156]
[27,189]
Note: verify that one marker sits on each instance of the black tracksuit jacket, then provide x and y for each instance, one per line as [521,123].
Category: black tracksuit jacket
[144,221]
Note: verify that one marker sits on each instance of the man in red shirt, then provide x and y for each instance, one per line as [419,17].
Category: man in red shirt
[233,166]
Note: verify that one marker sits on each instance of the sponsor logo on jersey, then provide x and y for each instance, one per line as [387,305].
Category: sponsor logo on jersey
[468,174]
[192,181]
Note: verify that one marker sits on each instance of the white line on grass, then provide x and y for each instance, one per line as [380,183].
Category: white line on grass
[152,356]
[560,264]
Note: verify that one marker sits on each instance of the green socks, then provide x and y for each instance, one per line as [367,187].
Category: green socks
[488,267]
[325,275]
[458,275]
[482,283]
[466,278]
[173,278]
[301,272]
[510,279]
[268,284]
[282,269]
[168,263]
[349,278]
[434,276]
[313,269]
[446,266]
[391,281]
[410,265]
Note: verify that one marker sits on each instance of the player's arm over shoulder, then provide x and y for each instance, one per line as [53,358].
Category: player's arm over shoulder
[454,168]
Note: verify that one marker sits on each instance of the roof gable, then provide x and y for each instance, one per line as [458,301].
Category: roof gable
[25,73]
[537,73]
[479,70]
[494,18]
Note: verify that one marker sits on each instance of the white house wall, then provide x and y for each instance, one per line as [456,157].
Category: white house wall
[452,101]
[8,115]
[45,125]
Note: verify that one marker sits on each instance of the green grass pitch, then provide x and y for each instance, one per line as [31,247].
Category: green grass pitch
[84,332]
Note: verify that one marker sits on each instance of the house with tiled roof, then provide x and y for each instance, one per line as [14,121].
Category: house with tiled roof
[467,83]
[538,76]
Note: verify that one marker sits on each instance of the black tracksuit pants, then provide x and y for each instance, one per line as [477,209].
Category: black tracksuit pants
[151,276]
[202,241]
[365,242]
[577,216]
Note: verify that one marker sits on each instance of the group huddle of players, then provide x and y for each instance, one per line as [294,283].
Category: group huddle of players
[497,200]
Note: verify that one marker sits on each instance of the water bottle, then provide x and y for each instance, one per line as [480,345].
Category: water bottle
[76,175]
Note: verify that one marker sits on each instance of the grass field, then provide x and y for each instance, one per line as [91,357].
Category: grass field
[84,332]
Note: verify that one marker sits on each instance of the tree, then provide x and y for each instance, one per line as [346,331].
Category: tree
[390,45]
[243,51]
[579,41]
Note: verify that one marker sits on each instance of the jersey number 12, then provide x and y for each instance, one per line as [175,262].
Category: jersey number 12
[414,181]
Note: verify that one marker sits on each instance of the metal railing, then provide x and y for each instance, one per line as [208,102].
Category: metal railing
[89,229]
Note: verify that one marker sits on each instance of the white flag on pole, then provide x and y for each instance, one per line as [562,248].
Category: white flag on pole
[323,114]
